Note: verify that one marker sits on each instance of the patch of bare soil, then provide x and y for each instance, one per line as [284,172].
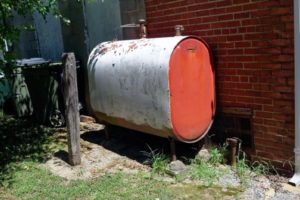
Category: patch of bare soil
[95,159]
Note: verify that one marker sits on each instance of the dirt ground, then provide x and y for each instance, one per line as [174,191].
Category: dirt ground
[128,151]
[96,160]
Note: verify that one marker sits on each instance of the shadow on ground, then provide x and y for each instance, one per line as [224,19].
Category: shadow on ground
[22,139]
[138,146]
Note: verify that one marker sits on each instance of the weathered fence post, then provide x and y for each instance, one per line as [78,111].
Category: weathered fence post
[71,110]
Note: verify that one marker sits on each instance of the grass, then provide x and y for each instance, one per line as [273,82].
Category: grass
[244,169]
[208,171]
[34,182]
[160,164]
[24,145]
[216,156]
[260,168]
[158,161]
[22,140]
[1,114]
[204,171]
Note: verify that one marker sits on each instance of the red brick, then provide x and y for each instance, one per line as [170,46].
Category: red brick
[280,11]
[287,18]
[285,58]
[280,42]
[234,37]
[249,22]
[260,13]
[202,6]
[244,58]
[241,15]
[225,17]
[235,51]
[240,1]
[217,11]
[226,3]
[242,44]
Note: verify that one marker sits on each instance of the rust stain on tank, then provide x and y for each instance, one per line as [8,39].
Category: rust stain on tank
[165,132]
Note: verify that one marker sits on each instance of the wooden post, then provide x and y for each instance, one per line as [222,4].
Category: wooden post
[71,103]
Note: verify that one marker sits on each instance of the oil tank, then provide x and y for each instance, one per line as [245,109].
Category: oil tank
[161,86]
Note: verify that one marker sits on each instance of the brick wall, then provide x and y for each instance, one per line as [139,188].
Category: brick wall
[252,44]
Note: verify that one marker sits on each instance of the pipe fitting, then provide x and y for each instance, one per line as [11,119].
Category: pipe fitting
[143,28]
[234,144]
[178,30]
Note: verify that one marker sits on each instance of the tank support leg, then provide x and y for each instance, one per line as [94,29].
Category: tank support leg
[173,149]
[106,132]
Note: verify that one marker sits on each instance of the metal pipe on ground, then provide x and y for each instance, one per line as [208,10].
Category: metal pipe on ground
[234,144]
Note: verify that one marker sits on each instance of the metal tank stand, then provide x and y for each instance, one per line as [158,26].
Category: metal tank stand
[173,149]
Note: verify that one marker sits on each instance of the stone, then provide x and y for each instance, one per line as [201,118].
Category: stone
[177,167]
[204,155]
[290,188]
[87,119]
[270,193]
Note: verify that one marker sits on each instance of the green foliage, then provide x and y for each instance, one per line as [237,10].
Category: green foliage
[243,169]
[160,164]
[209,171]
[9,32]
[260,168]
[216,156]
[204,171]
[9,8]
[158,161]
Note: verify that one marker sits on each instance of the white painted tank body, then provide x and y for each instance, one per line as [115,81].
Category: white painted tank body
[129,84]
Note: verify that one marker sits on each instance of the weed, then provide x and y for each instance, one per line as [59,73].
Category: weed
[216,157]
[242,167]
[208,172]
[204,171]
[260,168]
[290,162]
[160,164]
[158,161]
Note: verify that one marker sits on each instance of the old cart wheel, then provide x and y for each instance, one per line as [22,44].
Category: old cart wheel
[56,119]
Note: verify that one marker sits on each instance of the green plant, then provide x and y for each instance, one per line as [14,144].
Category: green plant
[158,161]
[216,156]
[204,171]
[160,164]
[242,166]
[260,168]
[9,33]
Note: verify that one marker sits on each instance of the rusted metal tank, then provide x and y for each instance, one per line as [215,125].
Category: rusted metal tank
[162,86]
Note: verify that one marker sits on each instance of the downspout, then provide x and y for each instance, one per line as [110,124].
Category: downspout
[295,180]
